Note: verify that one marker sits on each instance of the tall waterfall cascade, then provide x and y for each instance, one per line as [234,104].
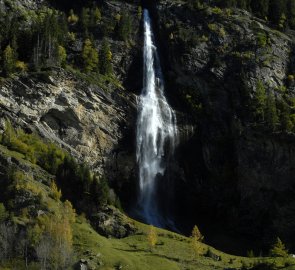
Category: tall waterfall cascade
[156,131]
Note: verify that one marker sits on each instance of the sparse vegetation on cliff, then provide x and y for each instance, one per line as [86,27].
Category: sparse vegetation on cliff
[70,71]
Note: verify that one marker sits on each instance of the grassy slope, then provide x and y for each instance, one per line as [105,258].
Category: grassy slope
[173,251]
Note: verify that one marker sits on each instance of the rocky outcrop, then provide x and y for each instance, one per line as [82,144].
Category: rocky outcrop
[238,173]
[92,118]
[110,222]
[83,118]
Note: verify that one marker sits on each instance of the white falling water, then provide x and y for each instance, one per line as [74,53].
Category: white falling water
[156,130]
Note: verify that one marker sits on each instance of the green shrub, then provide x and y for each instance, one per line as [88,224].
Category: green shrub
[261,39]
[216,10]
[212,27]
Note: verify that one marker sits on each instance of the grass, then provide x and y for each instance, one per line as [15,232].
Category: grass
[173,251]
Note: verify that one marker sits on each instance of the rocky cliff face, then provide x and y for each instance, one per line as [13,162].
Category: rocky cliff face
[92,120]
[83,118]
[233,173]
[238,172]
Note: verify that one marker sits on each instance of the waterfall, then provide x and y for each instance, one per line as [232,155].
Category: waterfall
[156,131]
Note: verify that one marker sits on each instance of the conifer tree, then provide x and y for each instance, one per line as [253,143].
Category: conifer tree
[279,249]
[105,58]
[271,115]
[56,193]
[291,13]
[9,60]
[73,18]
[196,234]
[152,237]
[61,55]
[89,56]
[285,116]
[124,28]
[260,101]
[3,213]
[261,8]
[62,29]
[276,9]
[99,191]
[85,20]
[95,16]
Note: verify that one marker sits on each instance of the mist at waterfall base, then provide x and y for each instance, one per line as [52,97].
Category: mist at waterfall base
[156,137]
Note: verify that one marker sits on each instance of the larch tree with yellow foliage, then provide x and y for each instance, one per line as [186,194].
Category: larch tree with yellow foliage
[152,237]
[55,192]
[197,238]
[89,56]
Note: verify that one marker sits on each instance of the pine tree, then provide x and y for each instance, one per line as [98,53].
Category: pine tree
[282,21]
[85,20]
[229,3]
[63,29]
[276,9]
[285,116]
[261,7]
[124,28]
[279,249]
[95,17]
[259,101]
[9,60]
[271,115]
[61,55]
[250,254]
[291,13]
[89,56]
[3,213]
[99,191]
[243,4]
[105,58]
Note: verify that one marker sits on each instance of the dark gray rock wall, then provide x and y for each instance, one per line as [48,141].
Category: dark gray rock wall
[238,174]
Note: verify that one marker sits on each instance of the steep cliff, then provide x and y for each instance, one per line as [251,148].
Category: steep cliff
[91,115]
[229,76]
[238,167]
